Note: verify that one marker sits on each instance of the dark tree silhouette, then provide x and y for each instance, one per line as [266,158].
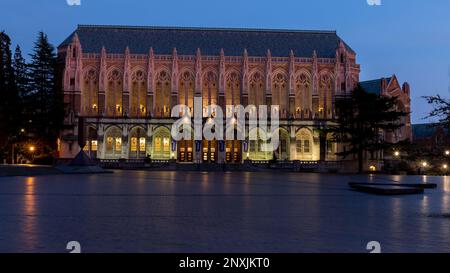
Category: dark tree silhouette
[362,119]
[441,111]
[9,98]
[44,105]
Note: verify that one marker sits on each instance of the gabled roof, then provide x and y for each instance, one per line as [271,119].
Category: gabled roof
[210,40]
[375,86]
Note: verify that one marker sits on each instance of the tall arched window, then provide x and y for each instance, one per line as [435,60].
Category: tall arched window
[162,94]
[303,95]
[325,95]
[279,93]
[138,93]
[161,144]
[303,145]
[186,90]
[137,143]
[233,89]
[114,93]
[113,143]
[210,89]
[256,90]
[89,93]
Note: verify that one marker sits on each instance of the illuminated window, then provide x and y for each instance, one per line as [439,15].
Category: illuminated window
[306,147]
[86,147]
[118,144]
[298,146]
[94,145]
[142,144]
[166,145]
[158,144]
[58,143]
[109,143]
[134,144]
[303,144]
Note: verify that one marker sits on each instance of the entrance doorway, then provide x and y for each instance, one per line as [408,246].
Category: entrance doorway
[233,151]
[209,151]
[185,151]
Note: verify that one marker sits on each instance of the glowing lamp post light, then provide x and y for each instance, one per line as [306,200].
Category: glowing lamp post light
[447,153]
[424,164]
[397,154]
[32,149]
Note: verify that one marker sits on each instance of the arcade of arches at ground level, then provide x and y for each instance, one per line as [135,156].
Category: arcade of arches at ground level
[138,142]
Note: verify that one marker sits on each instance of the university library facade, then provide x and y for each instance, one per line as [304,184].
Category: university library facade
[124,81]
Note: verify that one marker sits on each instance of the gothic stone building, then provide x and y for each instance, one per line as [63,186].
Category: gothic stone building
[390,87]
[124,82]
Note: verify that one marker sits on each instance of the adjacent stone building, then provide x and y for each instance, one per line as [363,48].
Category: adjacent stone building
[390,87]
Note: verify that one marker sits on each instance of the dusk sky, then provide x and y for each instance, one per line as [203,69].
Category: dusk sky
[410,38]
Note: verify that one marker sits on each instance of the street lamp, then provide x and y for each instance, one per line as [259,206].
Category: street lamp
[445,166]
[424,164]
[447,152]
[32,149]
[396,153]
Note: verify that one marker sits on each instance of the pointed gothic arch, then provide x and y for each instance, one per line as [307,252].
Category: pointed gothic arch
[89,91]
[114,91]
[163,92]
[256,88]
[186,88]
[137,139]
[233,85]
[138,99]
[280,91]
[326,92]
[113,142]
[303,93]
[304,144]
[210,89]
[161,143]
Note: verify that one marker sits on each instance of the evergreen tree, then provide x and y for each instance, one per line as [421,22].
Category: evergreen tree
[9,99]
[21,73]
[45,102]
[362,120]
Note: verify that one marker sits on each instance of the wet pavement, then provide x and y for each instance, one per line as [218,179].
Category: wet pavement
[140,211]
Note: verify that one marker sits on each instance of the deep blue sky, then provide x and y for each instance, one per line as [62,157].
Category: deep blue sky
[410,38]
